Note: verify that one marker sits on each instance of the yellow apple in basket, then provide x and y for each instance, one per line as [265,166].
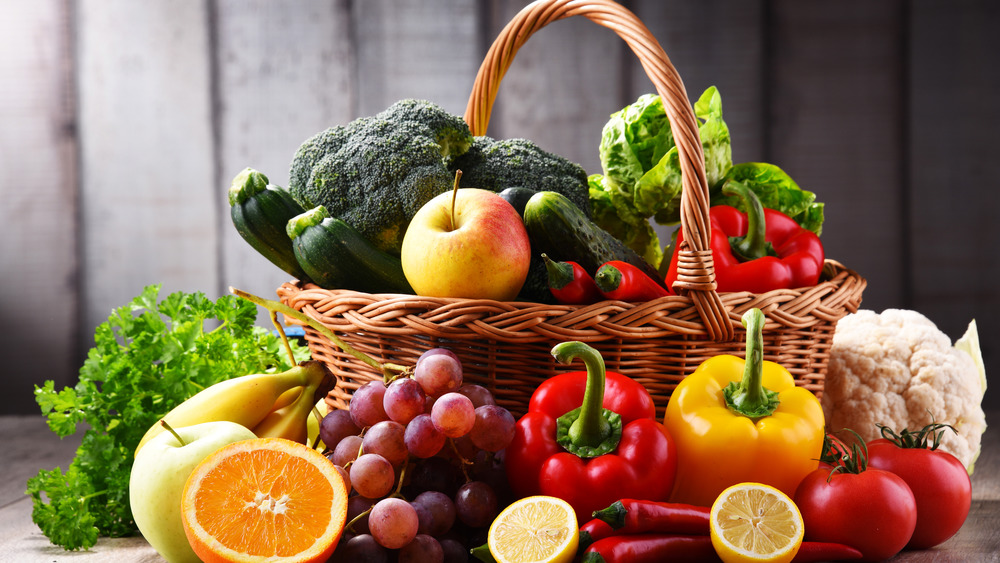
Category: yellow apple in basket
[466,243]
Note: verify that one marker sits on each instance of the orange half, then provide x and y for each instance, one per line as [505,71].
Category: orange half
[268,499]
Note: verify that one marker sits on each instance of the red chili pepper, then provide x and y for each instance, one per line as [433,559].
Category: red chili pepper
[633,516]
[594,530]
[588,455]
[651,548]
[759,251]
[811,551]
[570,284]
[622,281]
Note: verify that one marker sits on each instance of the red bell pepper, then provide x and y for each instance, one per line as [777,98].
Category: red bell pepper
[758,251]
[622,281]
[570,284]
[590,438]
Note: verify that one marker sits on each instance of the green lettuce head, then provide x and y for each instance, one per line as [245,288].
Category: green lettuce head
[642,176]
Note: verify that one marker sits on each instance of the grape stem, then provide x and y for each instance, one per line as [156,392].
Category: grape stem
[461,459]
[395,494]
[387,369]
[402,477]
[356,519]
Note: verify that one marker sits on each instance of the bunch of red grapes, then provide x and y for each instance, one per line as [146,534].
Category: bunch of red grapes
[423,459]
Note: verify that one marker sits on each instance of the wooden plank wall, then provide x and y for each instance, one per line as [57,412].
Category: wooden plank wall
[121,124]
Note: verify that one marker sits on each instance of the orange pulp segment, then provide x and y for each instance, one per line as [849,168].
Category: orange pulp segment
[267,499]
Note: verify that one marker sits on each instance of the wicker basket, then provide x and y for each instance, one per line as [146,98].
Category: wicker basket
[505,346]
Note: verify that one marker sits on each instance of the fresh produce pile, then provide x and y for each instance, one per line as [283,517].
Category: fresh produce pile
[232,432]
[403,202]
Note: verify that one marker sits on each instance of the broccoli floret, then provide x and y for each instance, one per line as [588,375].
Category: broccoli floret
[496,165]
[375,172]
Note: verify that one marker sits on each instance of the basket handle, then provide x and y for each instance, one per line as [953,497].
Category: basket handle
[696,271]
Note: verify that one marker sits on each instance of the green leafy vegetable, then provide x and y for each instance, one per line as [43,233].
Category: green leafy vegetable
[775,189]
[147,358]
[642,177]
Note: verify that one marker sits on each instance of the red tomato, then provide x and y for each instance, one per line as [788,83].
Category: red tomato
[873,511]
[940,485]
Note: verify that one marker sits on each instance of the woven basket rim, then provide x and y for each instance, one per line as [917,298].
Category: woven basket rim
[508,321]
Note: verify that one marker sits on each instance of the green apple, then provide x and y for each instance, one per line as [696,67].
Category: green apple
[466,243]
[156,484]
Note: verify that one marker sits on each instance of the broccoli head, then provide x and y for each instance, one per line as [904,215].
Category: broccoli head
[375,172]
[496,165]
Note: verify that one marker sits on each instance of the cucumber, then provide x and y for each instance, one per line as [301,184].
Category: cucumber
[536,285]
[260,211]
[558,228]
[336,256]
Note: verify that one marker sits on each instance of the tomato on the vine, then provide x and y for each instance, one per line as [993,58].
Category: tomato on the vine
[833,451]
[940,483]
[869,509]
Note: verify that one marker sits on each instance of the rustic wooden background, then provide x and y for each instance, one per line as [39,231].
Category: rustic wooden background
[121,124]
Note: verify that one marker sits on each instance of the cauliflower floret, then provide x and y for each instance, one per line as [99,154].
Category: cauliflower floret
[898,369]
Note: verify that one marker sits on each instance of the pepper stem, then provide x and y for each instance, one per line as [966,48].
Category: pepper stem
[754,244]
[590,430]
[749,397]
[560,273]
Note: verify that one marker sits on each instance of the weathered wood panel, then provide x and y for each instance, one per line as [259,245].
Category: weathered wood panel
[415,49]
[836,116]
[561,87]
[953,234]
[149,199]
[285,72]
[717,43]
[39,283]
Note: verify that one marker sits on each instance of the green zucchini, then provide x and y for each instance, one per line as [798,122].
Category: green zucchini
[336,256]
[260,211]
[558,228]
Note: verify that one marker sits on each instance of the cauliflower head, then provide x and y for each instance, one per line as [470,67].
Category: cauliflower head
[898,369]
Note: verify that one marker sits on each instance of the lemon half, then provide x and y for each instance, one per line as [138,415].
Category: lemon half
[539,529]
[755,522]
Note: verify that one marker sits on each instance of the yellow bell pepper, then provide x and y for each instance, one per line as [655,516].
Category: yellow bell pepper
[736,421]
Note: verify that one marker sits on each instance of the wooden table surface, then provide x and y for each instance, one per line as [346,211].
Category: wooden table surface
[27,446]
